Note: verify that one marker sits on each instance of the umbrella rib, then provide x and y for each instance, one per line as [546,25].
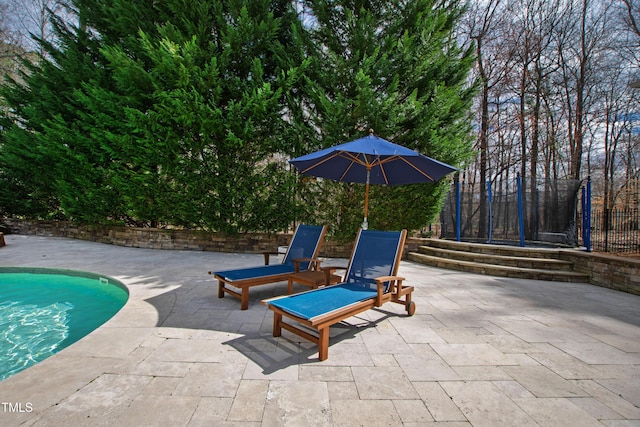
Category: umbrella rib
[423,173]
[315,165]
[344,154]
[394,158]
[354,158]
[384,173]
[346,171]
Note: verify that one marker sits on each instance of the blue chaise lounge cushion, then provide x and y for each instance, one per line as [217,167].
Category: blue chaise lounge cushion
[321,301]
[254,272]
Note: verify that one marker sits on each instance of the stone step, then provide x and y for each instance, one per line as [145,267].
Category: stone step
[494,249]
[520,261]
[499,270]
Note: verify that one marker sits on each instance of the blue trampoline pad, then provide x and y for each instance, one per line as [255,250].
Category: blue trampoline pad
[255,272]
[314,303]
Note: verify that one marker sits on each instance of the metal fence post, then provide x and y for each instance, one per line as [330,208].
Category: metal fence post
[520,210]
[458,208]
[586,227]
[489,212]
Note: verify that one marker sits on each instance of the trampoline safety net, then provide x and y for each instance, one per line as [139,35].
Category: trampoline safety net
[548,212]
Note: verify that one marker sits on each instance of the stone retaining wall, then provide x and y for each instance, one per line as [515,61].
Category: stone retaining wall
[153,238]
[607,271]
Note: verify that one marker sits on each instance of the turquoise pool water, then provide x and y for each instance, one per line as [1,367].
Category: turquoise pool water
[43,311]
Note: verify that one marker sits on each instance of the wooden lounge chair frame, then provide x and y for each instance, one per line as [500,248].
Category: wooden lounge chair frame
[396,292]
[299,264]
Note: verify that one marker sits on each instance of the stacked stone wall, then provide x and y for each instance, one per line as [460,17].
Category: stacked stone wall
[607,271]
[174,239]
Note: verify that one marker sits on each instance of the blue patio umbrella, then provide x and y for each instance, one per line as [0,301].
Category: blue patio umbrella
[372,160]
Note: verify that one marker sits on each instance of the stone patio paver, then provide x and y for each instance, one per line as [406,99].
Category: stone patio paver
[480,351]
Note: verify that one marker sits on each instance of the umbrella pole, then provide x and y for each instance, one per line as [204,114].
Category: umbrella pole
[365,223]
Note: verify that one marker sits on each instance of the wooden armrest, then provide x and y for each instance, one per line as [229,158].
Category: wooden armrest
[266,256]
[314,263]
[395,285]
[383,279]
[332,268]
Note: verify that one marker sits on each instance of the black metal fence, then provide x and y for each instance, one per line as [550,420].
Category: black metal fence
[615,230]
[552,212]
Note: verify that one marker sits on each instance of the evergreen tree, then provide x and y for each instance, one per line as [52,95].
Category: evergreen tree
[208,138]
[161,112]
[184,113]
[52,158]
[394,67]
[31,169]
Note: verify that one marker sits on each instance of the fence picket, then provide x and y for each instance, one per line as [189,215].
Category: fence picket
[616,230]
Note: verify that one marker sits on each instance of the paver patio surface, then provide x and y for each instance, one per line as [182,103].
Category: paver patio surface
[480,351]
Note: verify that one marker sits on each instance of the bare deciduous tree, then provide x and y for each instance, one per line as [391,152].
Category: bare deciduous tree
[33,17]
[553,92]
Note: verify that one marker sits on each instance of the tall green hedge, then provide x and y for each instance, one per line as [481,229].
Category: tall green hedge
[394,67]
[179,113]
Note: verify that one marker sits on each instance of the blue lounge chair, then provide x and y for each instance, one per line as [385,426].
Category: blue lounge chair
[370,281]
[300,256]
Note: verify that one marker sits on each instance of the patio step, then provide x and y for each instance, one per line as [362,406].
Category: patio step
[494,249]
[521,261]
[498,260]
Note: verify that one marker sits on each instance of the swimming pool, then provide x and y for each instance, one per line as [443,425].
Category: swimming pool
[43,311]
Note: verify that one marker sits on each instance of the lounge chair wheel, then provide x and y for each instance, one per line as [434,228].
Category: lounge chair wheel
[411,308]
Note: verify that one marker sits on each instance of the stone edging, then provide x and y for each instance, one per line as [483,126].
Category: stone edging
[607,271]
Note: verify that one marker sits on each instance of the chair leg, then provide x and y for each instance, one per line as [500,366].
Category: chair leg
[290,287]
[220,289]
[323,343]
[244,300]
[277,328]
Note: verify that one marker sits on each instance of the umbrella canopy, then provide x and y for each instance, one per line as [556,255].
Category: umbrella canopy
[372,160]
